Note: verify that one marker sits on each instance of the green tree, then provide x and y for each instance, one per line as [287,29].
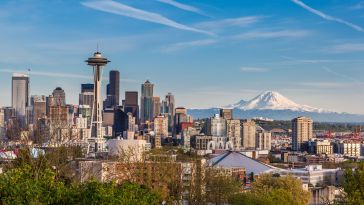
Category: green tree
[273,197]
[353,186]
[22,186]
[269,190]
[94,192]
[220,186]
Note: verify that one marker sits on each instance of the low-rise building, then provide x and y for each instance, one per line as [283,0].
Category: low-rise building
[199,142]
[134,149]
[231,161]
[315,175]
[321,147]
[322,195]
[349,148]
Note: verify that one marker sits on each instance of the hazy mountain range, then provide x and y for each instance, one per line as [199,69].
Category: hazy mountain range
[275,106]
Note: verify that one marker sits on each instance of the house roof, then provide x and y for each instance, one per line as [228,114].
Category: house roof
[232,159]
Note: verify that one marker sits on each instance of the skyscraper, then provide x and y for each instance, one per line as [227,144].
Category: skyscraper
[2,118]
[263,139]
[301,132]
[20,95]
[216,126]
[160,130]
[39,107]
[180,116]
[58,116]
[146,99]
[59,96]
[86,97]
[87,87]
[156,106]
[2,123]
[9,113]
[121,120]
[248,134]
[131,123]
[85,112]
[168,107]
[131,104]
[233,133]
[114,87]
[50,102]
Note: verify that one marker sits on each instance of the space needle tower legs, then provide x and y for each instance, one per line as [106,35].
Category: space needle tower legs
[97,61]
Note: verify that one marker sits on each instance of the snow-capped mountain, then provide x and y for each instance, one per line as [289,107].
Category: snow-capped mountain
[236,105]
[270,100]
[275,106]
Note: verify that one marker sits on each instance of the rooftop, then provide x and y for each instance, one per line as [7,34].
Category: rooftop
[232,159]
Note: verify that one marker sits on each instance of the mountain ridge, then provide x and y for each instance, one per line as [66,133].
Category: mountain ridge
[273,105]
[272,100]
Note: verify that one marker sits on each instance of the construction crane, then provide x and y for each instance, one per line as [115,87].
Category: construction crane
[328,134]
[357,132]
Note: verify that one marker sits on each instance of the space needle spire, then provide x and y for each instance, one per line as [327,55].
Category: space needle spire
[97,141]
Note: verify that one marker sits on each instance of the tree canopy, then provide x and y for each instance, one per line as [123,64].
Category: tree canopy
[353,186]
[24,186]
[269,190]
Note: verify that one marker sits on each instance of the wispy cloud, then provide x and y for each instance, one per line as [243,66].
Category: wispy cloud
[59,75]
[357,6]
[183,6]
[327,17]
[340,75]
[253,69]
[47,74]
[347,48]
[313,61]
[324,85]
[188,44]
[229,22]
[124,10]
[272,34]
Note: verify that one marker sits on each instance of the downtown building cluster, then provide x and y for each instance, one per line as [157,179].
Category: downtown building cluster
[48,119]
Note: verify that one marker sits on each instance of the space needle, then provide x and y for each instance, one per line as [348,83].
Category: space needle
[96,140]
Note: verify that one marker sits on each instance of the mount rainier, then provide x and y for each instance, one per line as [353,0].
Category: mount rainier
[273,105]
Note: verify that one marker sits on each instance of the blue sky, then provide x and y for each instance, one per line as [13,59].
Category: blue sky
[206,52]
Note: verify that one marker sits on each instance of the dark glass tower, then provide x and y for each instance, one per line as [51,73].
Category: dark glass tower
[87,87]
[131,104]
[146,100]
[114,88]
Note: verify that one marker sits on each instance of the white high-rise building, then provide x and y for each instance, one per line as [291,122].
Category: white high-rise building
[81,122]
[248,134]
[131,122]
[263,140]
[233,132]
[20,95]
[216,126]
